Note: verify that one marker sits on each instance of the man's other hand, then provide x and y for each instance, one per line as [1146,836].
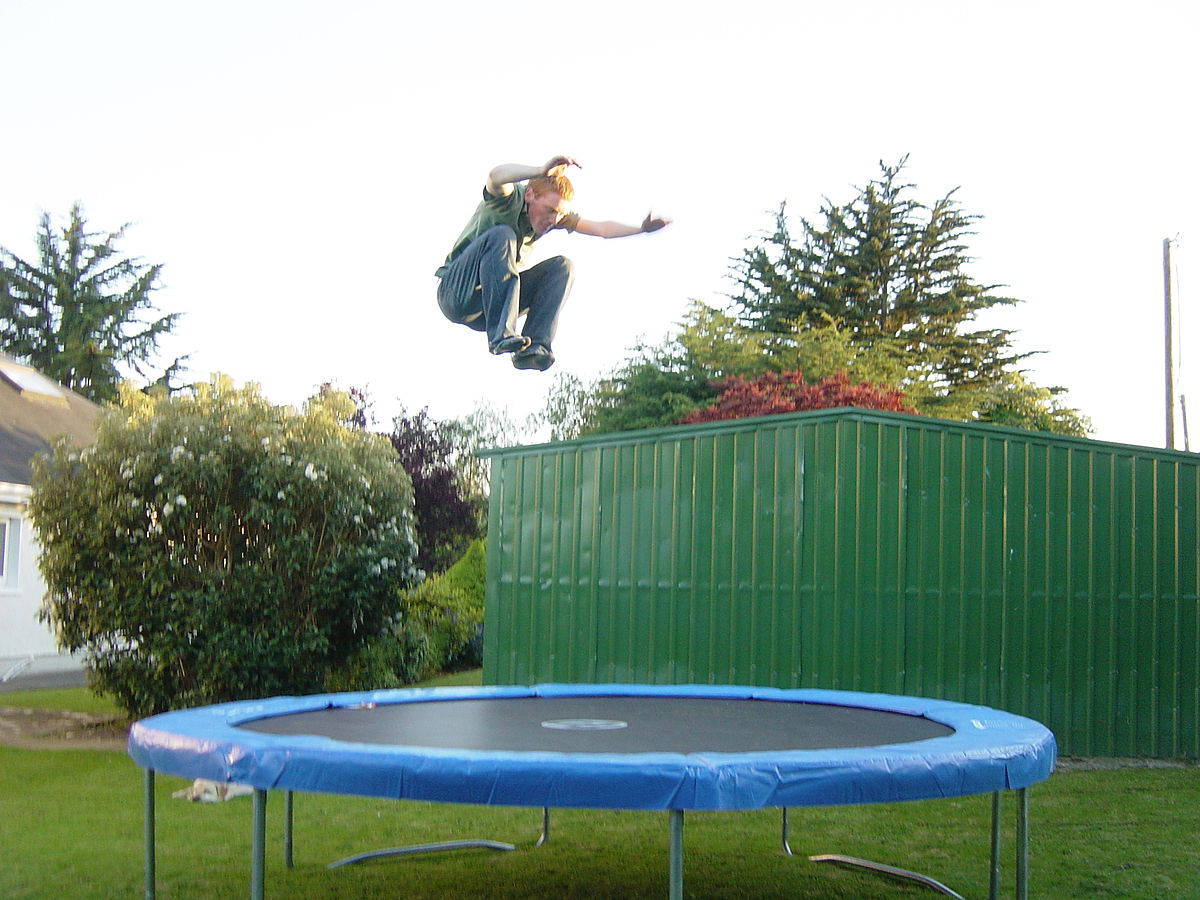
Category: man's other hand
[653,223]
[559,164]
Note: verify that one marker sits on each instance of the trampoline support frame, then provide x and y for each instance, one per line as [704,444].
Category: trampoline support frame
[1022,874]
[412,849]
[258,846]
[148,832]
[676,861]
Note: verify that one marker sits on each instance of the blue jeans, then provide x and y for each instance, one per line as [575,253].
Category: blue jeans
[482,289]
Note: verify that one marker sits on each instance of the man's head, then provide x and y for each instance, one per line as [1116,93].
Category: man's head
[544,199]
[559,184]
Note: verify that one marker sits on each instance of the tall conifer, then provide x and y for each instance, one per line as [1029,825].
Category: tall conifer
[887,268]
[79,313]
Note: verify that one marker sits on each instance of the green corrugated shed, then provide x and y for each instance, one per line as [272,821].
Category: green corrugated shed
[851,549]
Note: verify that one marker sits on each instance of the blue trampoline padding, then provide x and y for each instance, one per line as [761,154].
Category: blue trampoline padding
[989,750]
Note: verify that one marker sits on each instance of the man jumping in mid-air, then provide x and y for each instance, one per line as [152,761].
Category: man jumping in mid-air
[481,283]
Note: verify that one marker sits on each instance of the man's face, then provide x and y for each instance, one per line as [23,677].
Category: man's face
[544,210]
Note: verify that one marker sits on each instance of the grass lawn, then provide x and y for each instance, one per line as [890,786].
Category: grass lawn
[71,826]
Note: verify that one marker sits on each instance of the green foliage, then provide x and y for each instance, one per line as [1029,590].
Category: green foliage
[715,343]
[881,291]
[398,657]
[656,386]
[1017,402]
[822,349]
[469,573]
[884,265]
[449,609]
[76,313]
[212,546]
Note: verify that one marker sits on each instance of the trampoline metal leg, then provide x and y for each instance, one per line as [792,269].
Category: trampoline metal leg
[994,876]
[1022,844]
[258,854]
[787,848]
[544,837]
[287,829]
[676,887]
[148,831]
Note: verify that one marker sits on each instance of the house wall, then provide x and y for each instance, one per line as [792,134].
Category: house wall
[21,634]
[1052,577]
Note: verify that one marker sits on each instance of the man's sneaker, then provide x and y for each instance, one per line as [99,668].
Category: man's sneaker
[510,344]
[534,357]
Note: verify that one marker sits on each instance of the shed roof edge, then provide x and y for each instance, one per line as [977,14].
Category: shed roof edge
[647,435]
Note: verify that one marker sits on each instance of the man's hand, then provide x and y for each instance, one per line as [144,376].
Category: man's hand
[559,164]
[651,223]
[502,178]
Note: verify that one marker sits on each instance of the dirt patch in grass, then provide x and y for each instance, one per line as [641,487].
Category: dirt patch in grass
[1108,763]
[59,729]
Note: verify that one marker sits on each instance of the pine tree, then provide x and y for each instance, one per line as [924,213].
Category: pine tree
[888,269]
[76,313]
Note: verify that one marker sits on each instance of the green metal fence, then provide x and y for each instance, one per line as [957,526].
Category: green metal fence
[1049,576]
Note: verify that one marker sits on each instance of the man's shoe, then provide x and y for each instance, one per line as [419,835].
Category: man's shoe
[511,344]
[534,357]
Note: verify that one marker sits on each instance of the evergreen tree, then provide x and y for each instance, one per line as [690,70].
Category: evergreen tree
[888,269]
[81,313]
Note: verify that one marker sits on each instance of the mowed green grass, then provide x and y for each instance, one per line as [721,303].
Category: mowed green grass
[71,826]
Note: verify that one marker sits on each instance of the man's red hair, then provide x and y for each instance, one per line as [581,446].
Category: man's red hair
[560,184]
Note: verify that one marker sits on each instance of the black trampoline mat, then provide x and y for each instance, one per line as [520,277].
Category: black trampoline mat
[609,725]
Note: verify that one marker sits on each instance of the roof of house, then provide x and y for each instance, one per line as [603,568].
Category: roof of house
[35,410]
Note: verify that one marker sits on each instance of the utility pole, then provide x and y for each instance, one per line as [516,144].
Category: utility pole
[1170,374]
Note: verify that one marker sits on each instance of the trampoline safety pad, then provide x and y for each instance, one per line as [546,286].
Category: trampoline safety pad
[605,746]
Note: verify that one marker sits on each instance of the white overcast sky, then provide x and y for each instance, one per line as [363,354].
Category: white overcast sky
[301,168]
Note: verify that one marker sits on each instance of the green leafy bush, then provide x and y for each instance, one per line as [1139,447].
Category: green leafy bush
[215,547]
[398,657]
[468,572]
[449,608]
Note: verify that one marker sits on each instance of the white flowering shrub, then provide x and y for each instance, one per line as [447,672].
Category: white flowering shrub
[216,547]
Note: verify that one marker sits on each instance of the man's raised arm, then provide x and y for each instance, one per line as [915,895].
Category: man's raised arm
[503,177]
[620,229]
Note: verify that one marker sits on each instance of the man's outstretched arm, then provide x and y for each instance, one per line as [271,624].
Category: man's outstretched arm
[503,177]
[620,229]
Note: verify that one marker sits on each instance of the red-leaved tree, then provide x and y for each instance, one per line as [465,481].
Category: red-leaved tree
[783,392]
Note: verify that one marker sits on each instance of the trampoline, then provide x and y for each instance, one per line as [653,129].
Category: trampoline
[671,748]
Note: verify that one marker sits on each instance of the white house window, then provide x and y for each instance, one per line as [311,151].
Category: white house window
[10,551]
